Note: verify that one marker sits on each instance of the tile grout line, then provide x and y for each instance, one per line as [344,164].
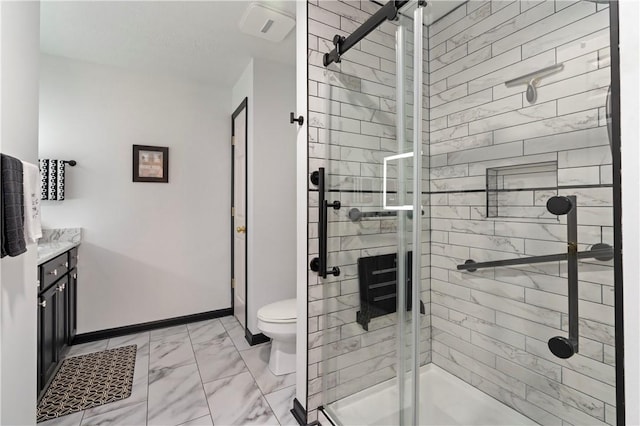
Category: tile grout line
[255,381]
[200,374]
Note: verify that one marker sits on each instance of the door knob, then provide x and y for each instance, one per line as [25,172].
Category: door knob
[241,229]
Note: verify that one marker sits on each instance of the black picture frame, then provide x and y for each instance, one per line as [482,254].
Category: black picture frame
[151,174]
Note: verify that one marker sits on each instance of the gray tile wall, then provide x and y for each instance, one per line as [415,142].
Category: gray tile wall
[491,327]
[352,127]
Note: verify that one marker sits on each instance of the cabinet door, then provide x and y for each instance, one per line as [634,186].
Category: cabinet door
[72,296]
[39,350]
[61,316]
[48,353]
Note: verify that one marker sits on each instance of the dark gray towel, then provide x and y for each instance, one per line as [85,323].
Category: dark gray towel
[13,243]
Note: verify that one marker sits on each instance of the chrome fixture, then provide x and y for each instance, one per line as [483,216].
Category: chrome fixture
[532,79]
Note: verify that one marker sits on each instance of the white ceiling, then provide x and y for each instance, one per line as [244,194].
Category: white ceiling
[196,40]
[199,40]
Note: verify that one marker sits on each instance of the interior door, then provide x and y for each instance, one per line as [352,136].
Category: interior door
[239,219]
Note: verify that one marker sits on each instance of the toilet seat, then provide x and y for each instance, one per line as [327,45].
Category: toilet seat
[283,311]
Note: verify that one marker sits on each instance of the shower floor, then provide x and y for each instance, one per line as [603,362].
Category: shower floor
[446,400]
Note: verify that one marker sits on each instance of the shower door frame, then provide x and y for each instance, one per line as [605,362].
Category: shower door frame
[616,157]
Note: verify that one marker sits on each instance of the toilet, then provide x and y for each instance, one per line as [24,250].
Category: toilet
[278,321]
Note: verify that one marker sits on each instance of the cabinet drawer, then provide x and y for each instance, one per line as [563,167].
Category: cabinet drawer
[73,258]
[52,270]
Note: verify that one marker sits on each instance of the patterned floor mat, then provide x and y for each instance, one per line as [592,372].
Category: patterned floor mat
[87,381]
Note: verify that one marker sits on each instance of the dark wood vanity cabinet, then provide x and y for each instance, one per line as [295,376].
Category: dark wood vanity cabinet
[57,323]
[47,318]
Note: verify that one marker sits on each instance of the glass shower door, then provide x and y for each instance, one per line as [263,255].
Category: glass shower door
[369,190]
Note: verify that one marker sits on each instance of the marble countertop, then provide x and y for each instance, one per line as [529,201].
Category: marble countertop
[49,250]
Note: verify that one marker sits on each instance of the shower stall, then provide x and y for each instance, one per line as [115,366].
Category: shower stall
[464,235]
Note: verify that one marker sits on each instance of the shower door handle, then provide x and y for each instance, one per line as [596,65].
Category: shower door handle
[319,264]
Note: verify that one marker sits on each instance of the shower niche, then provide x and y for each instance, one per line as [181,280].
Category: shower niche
[521,190]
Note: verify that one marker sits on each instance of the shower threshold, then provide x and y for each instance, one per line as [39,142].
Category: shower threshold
[446,400]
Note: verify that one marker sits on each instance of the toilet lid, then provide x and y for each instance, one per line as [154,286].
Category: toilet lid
[282,311]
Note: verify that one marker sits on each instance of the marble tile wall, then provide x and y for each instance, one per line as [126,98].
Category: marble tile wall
[352,128]
[491,327]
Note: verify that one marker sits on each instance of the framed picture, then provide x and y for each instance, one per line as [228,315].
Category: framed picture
[150,163]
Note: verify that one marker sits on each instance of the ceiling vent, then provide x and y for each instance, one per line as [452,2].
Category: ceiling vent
[270,24]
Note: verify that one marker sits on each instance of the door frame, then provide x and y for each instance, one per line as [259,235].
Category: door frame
[244,105]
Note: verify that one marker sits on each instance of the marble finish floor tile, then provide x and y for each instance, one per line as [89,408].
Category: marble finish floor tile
[236,332]
[87,348]
[205,331]
[237,400]
[173,368]
[202,421]
[165,332]
[175,396]
[218,359]
[281,403]
[139,339]
[73,419]
[257,360]
[170,354]
[131,415]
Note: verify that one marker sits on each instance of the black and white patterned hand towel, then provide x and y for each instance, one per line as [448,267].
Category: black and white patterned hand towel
[52,174]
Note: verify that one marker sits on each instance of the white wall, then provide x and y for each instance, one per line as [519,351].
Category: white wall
[150,251]
[630,135]
[271,183]
[301,202]
[20,35]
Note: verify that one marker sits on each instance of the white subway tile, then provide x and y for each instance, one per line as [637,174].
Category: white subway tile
[529,16]
[452,17]
[509,10]
[581,157]
[538,29]
[549,126]
[516,69]
[458,64]
[567,33]
[518,356]
[561,409]
[579,176]
[596,136]
[495,63]
[523,310]
[581,83]
[583,45]
[580,400]
[447,58]
[513,118]
[504,105]
[595,388]
[513,149]
[470,101]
